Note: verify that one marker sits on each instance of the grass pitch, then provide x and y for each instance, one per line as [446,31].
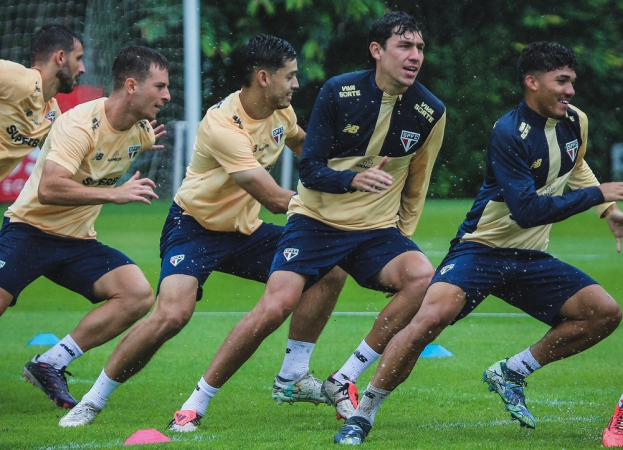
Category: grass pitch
[443,404]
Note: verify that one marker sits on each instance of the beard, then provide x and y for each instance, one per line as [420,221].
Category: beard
[66,81]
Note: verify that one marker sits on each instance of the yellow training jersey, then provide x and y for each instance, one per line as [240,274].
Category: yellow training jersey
[229,141]
[83,142]
[25,118]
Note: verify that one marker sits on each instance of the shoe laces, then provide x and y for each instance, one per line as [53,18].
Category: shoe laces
[616,424]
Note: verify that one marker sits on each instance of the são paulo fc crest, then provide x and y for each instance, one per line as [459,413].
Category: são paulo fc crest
[278,134]
[290,253]
[409,139]
[133,151]
[175,260]
[572,149]
[50,116]
[447,268]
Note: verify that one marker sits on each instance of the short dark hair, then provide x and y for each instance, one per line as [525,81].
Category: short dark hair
[262,52]
[541,57]
[395,22]
[49,39]
[135,62]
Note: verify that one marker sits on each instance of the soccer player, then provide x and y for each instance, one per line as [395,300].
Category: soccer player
[27,95]
[534,151]
[213,222]
[49,230]
[372,139]
[613,433]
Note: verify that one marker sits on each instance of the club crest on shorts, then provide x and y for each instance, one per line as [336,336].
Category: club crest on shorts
[2,263]
[278,134]
[290,253]
[409,139]
[133,151]
[446,269]
[572,149]
[175,260]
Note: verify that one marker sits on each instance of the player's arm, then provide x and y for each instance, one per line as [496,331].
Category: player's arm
[295,143]
[262,187]
[56,187]
[418,180]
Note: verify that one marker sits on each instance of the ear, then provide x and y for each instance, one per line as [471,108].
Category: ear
[262,77]
[130,85]
[59,57]
[531,82]
[375,50]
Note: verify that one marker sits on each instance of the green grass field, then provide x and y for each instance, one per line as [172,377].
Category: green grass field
[443,405]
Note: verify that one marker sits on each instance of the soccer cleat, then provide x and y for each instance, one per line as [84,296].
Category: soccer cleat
[613,434]
[51,381]
[185,421]
[509,385]
[344,396]
[307,389]
[81,414]
[353,432]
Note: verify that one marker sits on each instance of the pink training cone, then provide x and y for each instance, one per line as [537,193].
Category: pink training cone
[151,436]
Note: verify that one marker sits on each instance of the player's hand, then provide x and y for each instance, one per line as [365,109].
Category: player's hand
[159,132]
[614,217]
[135,190]
[373,179]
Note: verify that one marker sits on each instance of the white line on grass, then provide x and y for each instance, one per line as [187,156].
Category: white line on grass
[96,445]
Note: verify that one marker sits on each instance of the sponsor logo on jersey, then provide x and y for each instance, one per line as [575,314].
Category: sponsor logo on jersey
[37,88]
[102,182]
[257,148]
[115,157]
[365,164]
[51,116]
[446,269]
[95,124]
[525,129]
[133,151]
[2,263]
[278,134]
[409,139]
[175,260]
[350,91]
[19,138]
[29,112]
[536,164]
[237,121]
[572,149]
[98,156]
[352,129]
[143,124]
[290,253]
[426,111]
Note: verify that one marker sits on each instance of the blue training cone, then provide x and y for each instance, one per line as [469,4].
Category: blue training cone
[435,351]
[44,339]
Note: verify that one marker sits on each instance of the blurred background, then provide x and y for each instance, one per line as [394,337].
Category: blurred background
[471,51]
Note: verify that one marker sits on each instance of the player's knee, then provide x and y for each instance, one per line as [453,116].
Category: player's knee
[140,299]
[417,280]
[335,279]
[609,316]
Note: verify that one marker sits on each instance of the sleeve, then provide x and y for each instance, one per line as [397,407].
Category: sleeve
[319,143]
[292,122]
[509,162]
[148,137]
[69,144]
[229,146]
[418,180]
[582,176]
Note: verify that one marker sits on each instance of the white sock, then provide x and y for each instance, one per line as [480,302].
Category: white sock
[523,363]
[359,361]
[370,402]
[296,362]
[101,390]
[63,353]
[201,396]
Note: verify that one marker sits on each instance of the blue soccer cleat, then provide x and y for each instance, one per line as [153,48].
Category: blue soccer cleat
[353,432]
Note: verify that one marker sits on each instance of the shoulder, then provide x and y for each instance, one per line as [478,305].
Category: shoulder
[419,94]
[20,81]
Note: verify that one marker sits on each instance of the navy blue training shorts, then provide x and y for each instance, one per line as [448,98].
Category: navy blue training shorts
[26,253]
[531,280]
[310,247]
[187,248]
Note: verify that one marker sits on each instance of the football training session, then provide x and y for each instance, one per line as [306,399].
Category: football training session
[296,225]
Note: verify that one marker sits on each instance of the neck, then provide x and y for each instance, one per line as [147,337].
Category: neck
[49,82]
[388,86]
[119,112]
[254,104]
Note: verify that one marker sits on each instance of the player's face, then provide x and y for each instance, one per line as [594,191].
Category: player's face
[72,69]
[153,93]
[281,85]
[554,91]
[399,62]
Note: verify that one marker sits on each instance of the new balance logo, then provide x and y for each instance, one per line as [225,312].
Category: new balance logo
[536,164]
[352,129]
[447,268]
[360,357]
[68,350]
[175,260]
[290,253]
[525,129]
